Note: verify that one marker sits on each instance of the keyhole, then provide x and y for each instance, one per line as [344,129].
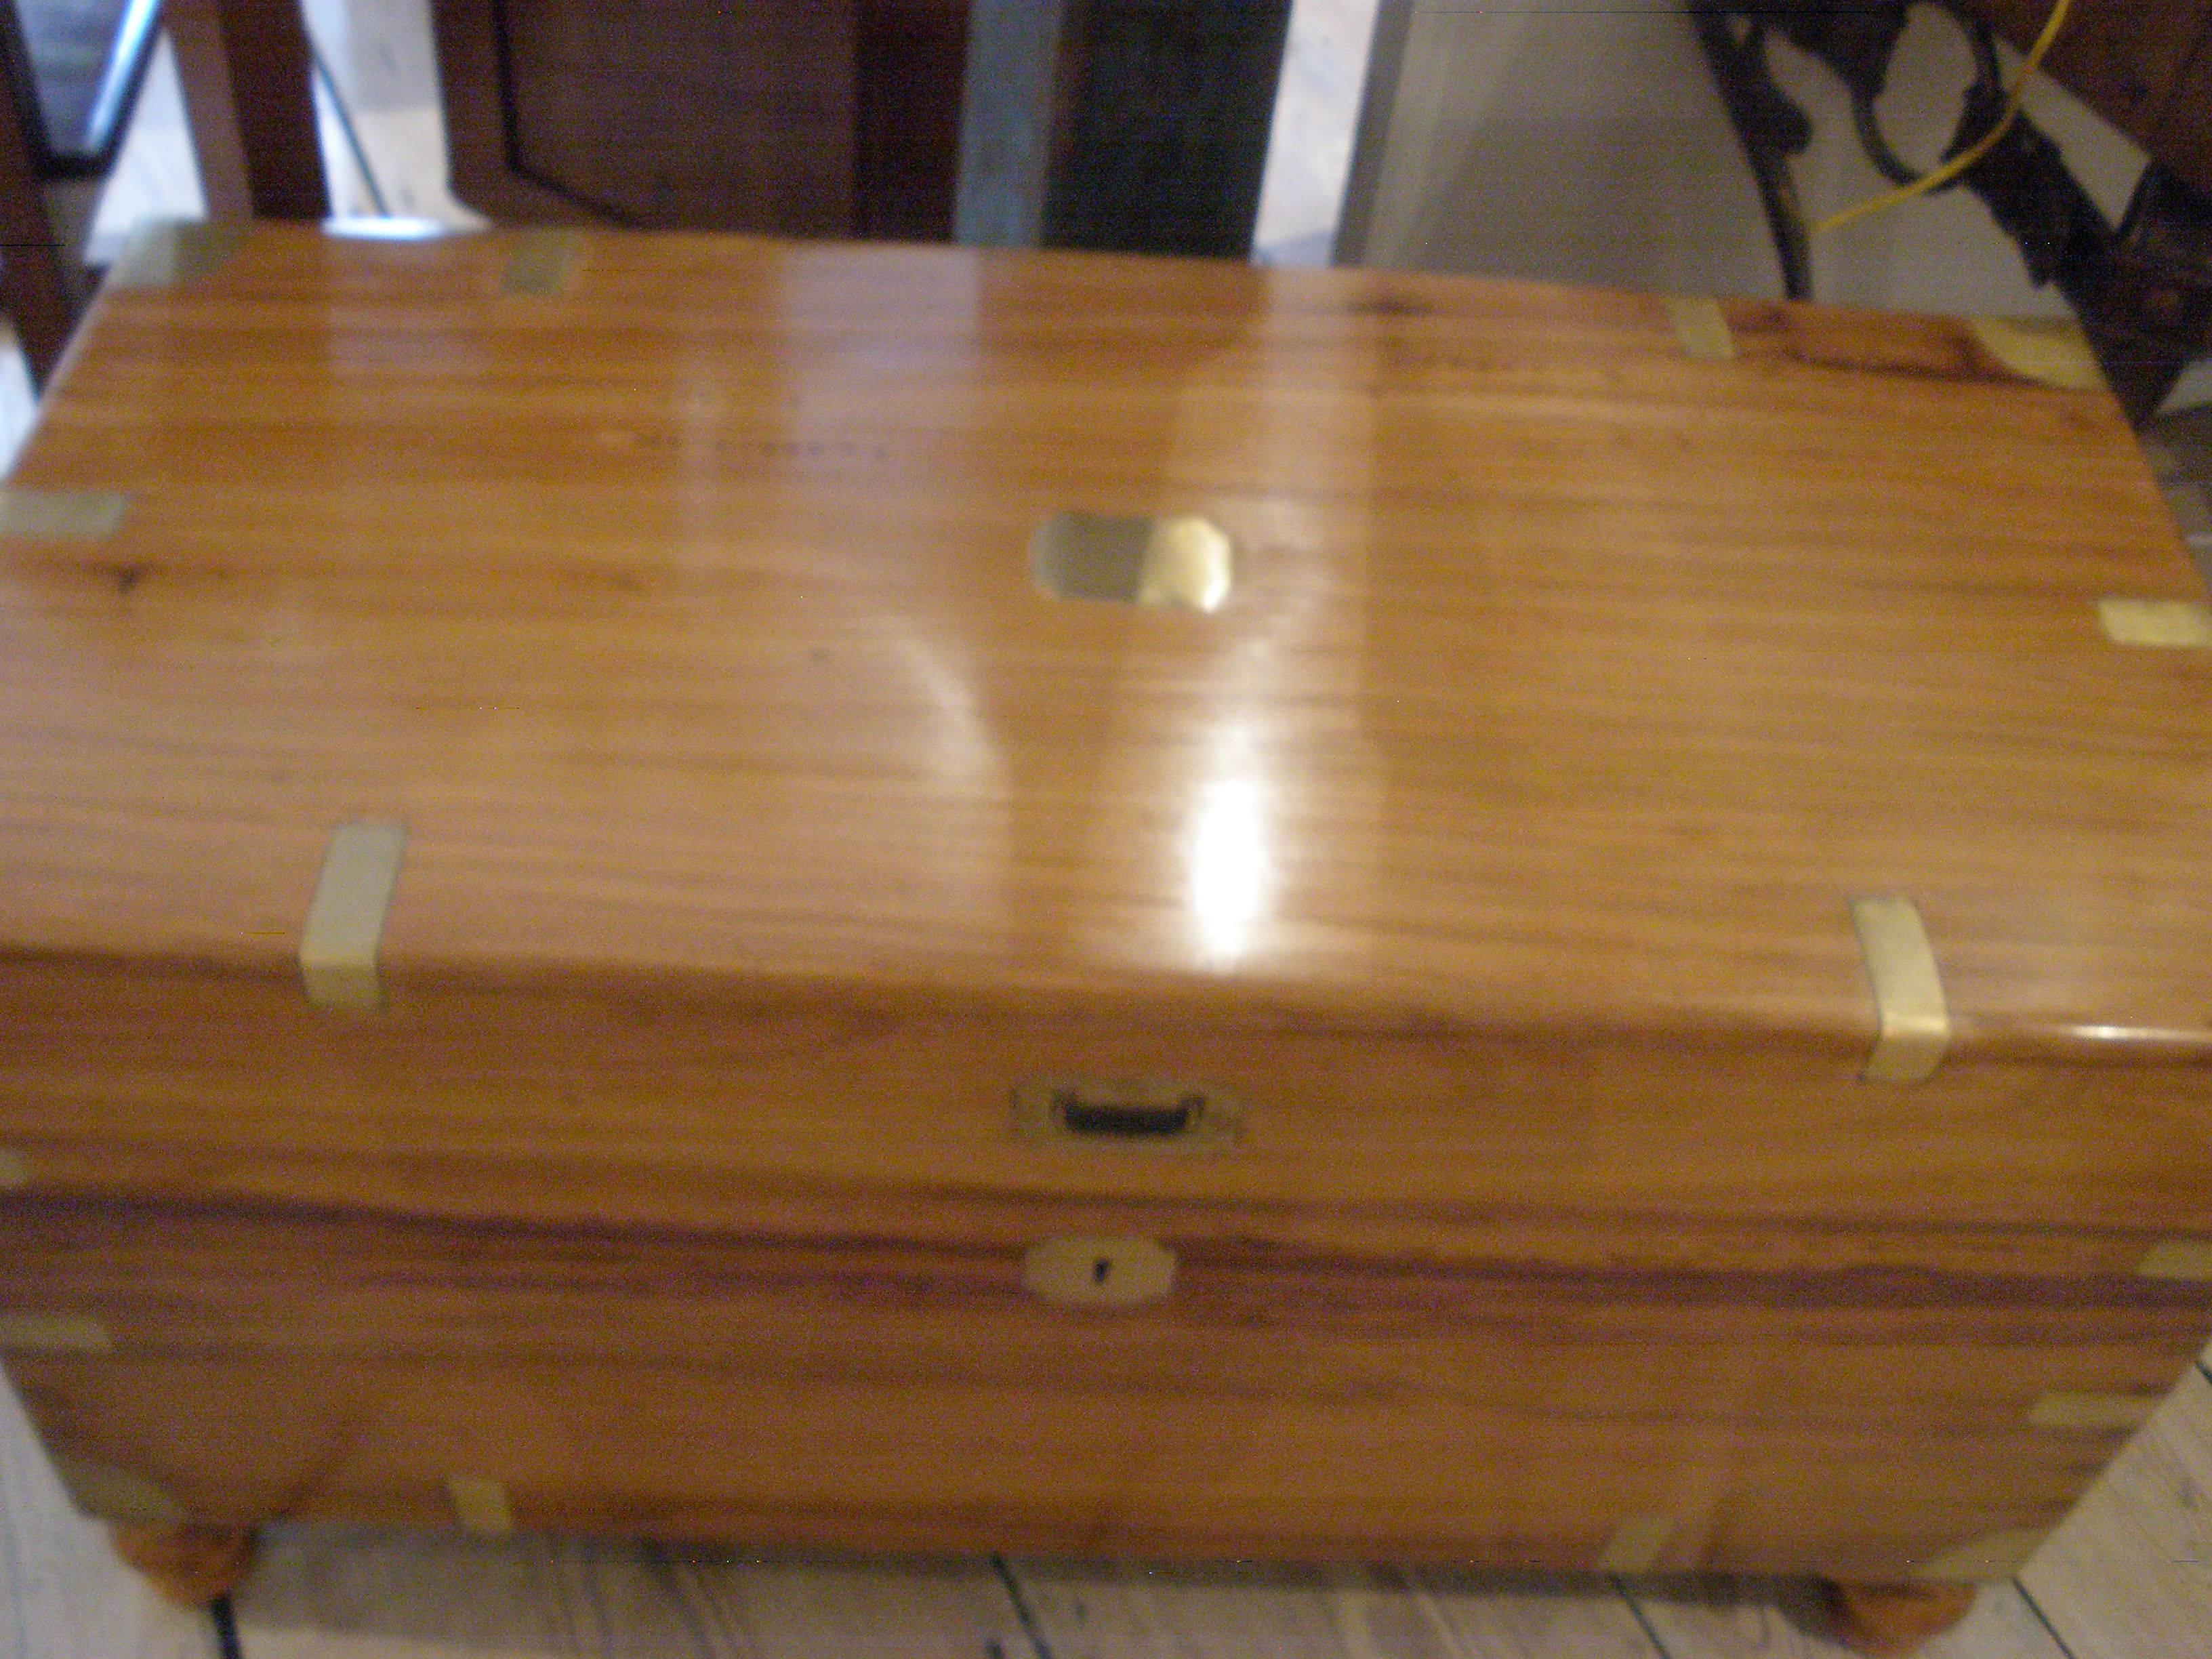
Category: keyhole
[1099,1269]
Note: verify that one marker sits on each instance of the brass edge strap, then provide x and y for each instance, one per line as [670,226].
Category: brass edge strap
[86,515]
[344,929]
[2157,624]
[1908,991]
[1701,328]
[2189,1259]
[2051,351]
[54,1333]
[544,262]
[2062,1410]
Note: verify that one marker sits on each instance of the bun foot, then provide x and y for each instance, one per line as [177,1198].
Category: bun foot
[1889,1620]
[191,1565]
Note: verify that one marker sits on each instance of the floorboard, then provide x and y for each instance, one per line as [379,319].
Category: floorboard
[63,1593]
[550,1598]
[2129,1574]
[1128,1612]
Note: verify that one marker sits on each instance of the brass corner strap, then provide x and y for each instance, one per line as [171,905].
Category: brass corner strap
[1701,328]
[107,1491]
[1984,1560]
[344,929]
[2049,351]
[1908,991]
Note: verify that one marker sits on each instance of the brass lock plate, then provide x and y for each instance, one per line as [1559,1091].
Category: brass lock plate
[1099,1270]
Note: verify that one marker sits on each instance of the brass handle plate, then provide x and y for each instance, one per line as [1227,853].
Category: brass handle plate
[1131,1114]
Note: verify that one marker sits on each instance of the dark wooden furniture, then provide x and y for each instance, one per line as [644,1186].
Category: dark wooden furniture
[823,117]
[1110,124]
[2144,65]
[70,72]
[247,76]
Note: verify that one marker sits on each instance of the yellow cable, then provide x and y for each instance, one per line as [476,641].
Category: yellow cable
[1959,163]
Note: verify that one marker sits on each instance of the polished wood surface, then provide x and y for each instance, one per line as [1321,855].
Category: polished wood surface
[1317,1384]
[1494,843]
[684,619]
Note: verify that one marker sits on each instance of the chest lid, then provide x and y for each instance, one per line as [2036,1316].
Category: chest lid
[756,611]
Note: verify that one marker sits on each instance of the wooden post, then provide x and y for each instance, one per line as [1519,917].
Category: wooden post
[1119,123]
[32,278]
[249,96]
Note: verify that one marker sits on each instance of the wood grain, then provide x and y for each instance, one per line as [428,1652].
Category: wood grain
[1719,1382]
[1335,1308]
[1035,1464]
[245,69]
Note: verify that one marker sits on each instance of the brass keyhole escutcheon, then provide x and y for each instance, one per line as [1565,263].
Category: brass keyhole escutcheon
[1105,1270]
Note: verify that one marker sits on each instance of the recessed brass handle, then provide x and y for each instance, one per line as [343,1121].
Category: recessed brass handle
[1099,1270]
[1181,562]
[1149,1114]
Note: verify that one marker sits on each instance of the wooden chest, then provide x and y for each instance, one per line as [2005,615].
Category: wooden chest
[1556,928]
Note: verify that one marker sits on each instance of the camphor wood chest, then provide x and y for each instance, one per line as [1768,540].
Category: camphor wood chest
[1626,981]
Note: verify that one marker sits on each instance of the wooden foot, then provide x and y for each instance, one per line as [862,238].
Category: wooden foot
[191,1565]
[1888,1620]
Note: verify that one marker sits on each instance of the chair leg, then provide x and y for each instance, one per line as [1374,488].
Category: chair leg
[34,281]
[249,98]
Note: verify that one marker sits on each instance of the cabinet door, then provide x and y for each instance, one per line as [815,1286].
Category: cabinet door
[823,117]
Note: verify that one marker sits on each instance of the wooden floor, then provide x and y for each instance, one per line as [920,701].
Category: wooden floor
[2129,1576]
